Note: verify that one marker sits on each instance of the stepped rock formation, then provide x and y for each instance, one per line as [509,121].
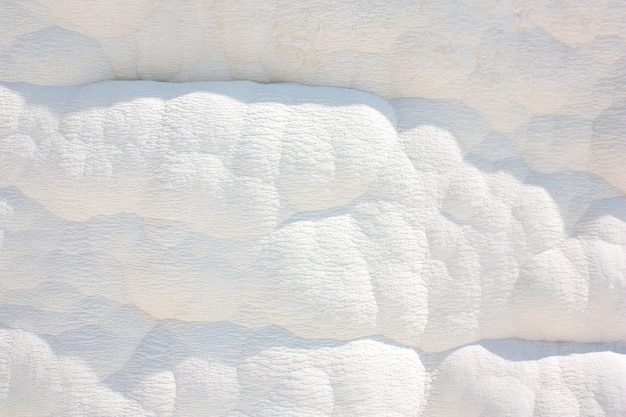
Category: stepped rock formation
[312,208]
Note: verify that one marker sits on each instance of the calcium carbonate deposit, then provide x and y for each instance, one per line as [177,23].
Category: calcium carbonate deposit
[312,208]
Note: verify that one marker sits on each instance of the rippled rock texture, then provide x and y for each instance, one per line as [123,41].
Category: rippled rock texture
[447,240]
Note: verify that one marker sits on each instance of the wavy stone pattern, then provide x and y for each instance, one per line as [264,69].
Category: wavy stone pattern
[329,213]
[548,73]
[242,249]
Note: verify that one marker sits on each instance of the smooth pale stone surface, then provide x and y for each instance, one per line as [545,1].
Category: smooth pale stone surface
[524,66]
[130,148]
[223,370]
[204,370]
[510,60]
[331,213]
[515,378]
[236,249]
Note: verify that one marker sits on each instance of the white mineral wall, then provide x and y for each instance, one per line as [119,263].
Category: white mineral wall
[448,241]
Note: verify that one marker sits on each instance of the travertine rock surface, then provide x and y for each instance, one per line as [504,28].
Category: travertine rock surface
[434,226]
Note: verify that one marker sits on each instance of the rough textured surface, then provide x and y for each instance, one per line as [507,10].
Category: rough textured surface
[550,73]
[243,249]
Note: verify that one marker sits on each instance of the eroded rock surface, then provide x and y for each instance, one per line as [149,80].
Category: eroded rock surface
[329,213]
[447,240]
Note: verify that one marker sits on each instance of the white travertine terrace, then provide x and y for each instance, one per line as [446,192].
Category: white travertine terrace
[435,225]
